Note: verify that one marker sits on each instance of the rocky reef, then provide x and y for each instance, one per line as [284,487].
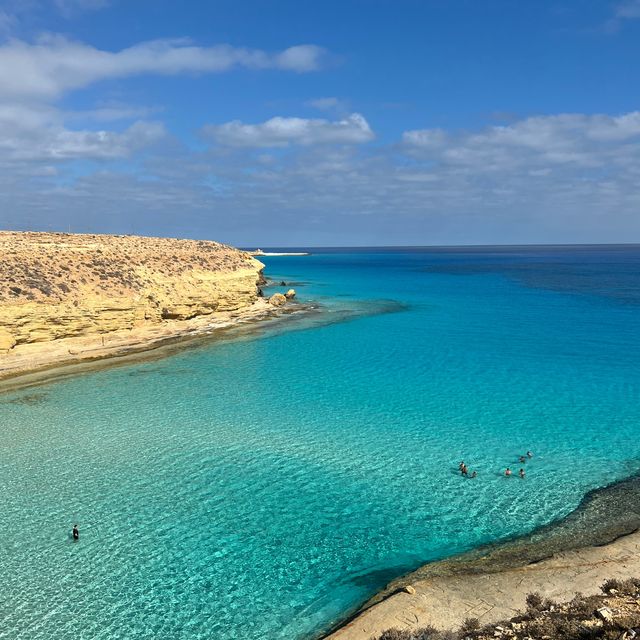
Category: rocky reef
[55,286]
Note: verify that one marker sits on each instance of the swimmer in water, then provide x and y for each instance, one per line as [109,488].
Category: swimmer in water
[507,473]
[474,474]
[75,532]
[522,459]
[522,473]
[529,454]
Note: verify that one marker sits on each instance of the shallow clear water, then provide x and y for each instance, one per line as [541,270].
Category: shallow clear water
[263,488]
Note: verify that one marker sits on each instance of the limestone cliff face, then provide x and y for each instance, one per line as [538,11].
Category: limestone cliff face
[62,285]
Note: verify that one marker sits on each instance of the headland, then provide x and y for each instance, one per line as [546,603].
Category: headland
[67,298]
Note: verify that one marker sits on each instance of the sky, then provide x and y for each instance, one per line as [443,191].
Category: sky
[323,122]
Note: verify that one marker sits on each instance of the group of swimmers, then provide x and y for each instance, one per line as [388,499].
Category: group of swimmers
[464,470]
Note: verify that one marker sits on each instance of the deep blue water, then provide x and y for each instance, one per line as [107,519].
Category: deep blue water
[263,488]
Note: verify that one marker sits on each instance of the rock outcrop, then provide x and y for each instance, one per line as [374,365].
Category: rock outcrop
[277,300]
[290,295]
[55,285]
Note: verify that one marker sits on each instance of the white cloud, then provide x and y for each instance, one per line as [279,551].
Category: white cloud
[38,134]
[425,137]
[572,139]
[301,58]
[55,65]
[282,132]
[65,144]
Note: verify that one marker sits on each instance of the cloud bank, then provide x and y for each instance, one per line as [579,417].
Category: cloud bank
[116,167]
[282,132]
[566,177]
[578,140]
[55,65]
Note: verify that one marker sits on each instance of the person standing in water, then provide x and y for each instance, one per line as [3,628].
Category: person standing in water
[507,473]
[75,533]
[522,473]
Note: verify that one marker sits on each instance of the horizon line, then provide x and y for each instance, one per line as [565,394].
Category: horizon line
[440,246]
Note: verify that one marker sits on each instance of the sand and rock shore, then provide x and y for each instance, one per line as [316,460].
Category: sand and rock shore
[445,602]
[68,298]
[598,541]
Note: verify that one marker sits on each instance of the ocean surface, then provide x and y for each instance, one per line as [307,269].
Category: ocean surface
[263,488]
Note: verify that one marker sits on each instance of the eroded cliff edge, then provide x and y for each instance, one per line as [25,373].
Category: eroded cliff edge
[64,295]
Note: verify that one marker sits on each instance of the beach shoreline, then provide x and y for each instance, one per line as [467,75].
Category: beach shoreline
[597,541]
[34,363]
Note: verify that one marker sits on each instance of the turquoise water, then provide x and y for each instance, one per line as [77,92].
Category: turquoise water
[263,488]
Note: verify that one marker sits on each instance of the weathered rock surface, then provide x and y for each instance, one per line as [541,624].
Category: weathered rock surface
[446,601]
[277,300]
[290,294]
[7,341]
[55,285]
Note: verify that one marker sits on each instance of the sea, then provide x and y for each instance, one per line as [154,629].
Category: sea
[265,485]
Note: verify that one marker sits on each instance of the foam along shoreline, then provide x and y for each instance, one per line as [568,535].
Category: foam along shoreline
[597,541]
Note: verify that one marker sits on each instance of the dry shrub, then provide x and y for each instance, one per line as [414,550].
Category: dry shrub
[426,633]
[629,587]
[396,634]
[534,601]
[555,626]
[470,625]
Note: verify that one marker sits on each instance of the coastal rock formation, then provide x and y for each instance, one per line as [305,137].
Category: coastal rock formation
[7,341]
[277,300]
[492,595]
[57,285]
[290,294]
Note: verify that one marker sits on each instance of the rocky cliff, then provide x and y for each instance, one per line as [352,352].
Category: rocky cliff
[56,285]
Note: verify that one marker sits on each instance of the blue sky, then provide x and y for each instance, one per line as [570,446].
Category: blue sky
[323,123]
